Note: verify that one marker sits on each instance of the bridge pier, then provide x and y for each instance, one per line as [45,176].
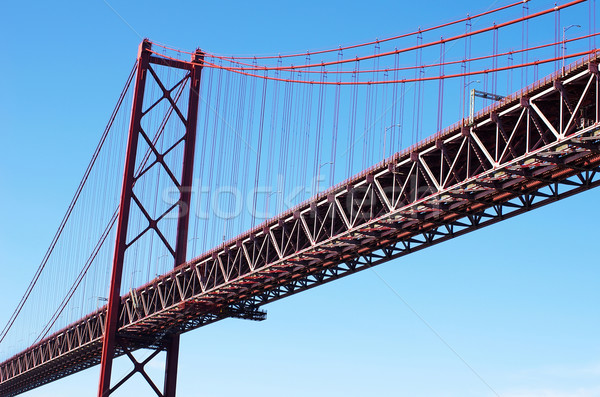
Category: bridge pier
[171,364]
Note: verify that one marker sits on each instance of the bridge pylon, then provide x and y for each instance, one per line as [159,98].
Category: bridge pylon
[112,344]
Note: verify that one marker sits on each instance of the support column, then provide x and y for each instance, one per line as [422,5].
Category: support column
[170,342]
[114,298]
[184,209]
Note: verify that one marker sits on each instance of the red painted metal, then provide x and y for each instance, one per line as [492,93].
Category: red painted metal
[172,360]
[248,66]
[114,298]
[491,177]
[184,209]
[494,179]
[171,342]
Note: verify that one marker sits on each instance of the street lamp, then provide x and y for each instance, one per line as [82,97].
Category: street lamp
[320,166]
[564,46]
[385,135]
[318,180]
[194,239]
[272,193]
[70,314]
[267,201]
[157,261]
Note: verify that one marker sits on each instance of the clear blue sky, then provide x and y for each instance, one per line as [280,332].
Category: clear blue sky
[513,308]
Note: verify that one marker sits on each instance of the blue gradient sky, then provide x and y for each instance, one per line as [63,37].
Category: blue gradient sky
[511,310]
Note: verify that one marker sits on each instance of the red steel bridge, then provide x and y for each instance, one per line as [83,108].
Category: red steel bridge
[166,246]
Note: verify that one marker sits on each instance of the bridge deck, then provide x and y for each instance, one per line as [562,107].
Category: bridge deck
[534,147]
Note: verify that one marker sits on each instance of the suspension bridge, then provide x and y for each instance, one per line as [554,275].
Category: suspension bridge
[223,183]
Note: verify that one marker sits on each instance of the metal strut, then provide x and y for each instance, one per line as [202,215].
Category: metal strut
[480,94]
[112,345]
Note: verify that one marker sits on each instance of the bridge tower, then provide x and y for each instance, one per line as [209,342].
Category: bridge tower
[112,344]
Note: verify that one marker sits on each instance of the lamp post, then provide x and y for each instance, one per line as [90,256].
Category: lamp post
[564,43]
[158,260]
[471,82]
[385,135]
[318,180]
[194,239]
[319,171]
[267,201]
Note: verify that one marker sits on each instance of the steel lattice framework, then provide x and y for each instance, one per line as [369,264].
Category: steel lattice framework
[111,339]
[530,149]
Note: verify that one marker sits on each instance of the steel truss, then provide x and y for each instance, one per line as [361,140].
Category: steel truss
[532,148]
